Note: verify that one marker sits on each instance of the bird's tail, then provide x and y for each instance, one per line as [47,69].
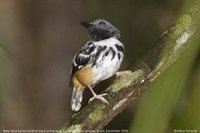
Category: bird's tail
[76,99]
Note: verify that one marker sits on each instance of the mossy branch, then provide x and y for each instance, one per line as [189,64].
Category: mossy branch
[125,89]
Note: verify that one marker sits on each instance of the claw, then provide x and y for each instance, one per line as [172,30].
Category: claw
[100,97]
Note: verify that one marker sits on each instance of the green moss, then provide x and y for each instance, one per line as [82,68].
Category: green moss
[96,114]
[126,80]
[183,24]
[179,36]
[72,129]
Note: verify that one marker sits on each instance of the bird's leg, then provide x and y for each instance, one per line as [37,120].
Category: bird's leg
[100,96]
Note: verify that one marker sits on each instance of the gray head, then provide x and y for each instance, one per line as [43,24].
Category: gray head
[101,29]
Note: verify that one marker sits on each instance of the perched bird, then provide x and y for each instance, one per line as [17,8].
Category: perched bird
[97,60]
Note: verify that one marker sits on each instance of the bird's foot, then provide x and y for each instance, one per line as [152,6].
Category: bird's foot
[123,73]
[100,97]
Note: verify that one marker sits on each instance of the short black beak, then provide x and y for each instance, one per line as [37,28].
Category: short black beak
[86,24]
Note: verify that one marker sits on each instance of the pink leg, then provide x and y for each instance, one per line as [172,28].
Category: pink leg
[95,96]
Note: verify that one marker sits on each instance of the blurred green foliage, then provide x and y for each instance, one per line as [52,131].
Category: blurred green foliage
[191,109]
[161,97]
[2,50]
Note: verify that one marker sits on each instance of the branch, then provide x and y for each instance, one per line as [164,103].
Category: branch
[125,89]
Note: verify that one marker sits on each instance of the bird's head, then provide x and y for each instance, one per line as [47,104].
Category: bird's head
[101,29]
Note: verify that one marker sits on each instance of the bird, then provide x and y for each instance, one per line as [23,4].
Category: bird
[97,60]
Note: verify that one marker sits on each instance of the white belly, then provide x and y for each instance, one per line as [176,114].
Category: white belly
[107,64]
[107,68]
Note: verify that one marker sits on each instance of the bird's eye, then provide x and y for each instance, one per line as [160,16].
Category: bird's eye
[102,23]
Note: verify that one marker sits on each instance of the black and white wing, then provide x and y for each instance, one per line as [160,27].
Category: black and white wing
[90,53]
[83,57]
